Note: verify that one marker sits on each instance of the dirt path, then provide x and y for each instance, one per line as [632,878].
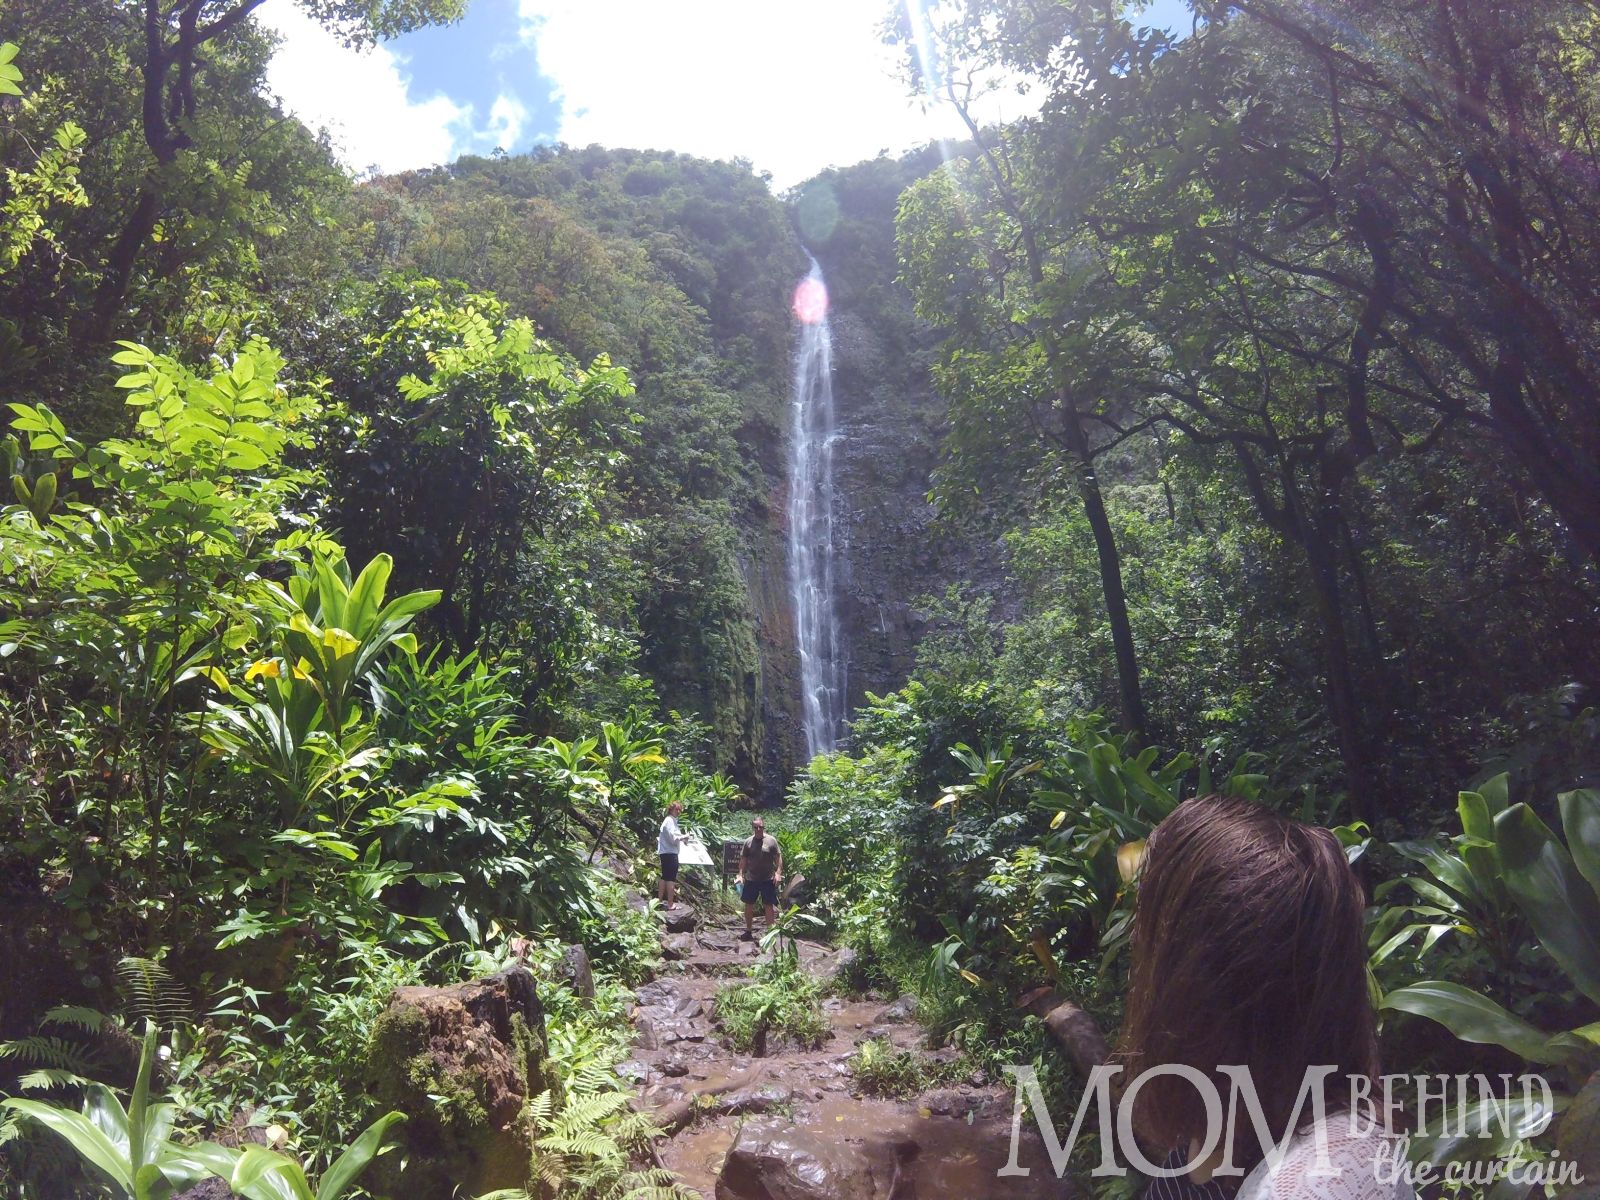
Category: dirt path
[788,1126]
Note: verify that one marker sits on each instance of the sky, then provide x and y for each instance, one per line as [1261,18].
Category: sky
[791,86]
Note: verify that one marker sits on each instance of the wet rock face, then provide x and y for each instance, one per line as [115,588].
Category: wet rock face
[574,968]
[681,920]
[772,1160]
[461,1062]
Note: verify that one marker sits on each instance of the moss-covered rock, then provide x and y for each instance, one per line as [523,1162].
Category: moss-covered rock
[461,1062]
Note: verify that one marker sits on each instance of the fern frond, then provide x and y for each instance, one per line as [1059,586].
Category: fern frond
[153,994]
[53,1053]
[46,1078]
[74,1016]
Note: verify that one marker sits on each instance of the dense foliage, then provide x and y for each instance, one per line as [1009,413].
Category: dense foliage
[384,557]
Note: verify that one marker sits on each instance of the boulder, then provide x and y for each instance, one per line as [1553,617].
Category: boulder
[681,919]
[901,1012]
[460,1062]
[676,947]
[772,1159]
[575,969]
[753,1099]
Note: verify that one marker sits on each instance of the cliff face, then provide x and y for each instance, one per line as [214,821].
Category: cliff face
[889,552]
[890,423]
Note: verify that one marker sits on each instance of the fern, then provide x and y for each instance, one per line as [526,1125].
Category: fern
[73,1016]
[57,1062]
[584,1145]
[153,994]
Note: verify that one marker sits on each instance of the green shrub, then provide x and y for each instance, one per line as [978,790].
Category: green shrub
[785,1005]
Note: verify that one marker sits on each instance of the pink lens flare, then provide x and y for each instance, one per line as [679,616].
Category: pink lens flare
[810,301]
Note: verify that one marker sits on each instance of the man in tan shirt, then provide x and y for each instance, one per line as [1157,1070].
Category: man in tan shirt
[760,869]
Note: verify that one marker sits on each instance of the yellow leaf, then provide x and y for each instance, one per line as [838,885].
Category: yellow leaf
[217,677]
[970,977]
[1041,951]
[1055,821]
[1129,856]
[921,1112]
[266,668]
[943,800]
[342,643]
[302,669]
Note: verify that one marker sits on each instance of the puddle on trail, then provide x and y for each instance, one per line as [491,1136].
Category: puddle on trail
[955,1160]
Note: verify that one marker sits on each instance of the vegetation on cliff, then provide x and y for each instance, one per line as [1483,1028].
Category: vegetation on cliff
[384,557]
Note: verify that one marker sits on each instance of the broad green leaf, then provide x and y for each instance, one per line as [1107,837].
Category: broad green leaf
[366,594]
[1476,820]
[261,1174]
[90,1142]
[1473,1018]
[1580,821]
[349,1165]
[1558,901]
[1578,1137]
[1482,1130]
[1496,793]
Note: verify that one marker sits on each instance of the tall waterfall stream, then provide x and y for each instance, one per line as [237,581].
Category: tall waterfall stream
[812,552]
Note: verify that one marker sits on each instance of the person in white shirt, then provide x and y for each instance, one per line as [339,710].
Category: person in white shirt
[667,843]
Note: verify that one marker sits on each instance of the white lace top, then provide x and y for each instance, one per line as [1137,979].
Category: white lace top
[1365,1166]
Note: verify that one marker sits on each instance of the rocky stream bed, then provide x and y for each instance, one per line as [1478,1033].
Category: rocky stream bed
[790,1125]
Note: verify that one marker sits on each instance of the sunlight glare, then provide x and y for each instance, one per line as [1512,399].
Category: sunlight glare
[810,303]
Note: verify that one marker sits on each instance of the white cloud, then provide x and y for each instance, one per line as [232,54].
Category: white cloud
[507,118]
[792,85]
[361,98]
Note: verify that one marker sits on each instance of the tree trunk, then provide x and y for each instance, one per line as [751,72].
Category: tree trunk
[1344,707]
[1110,561]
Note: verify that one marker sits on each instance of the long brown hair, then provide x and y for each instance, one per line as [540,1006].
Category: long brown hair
[1247,950]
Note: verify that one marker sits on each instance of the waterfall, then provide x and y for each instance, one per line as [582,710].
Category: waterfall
[811,547]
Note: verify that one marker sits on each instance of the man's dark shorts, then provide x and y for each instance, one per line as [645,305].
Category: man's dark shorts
[669,868]
[758,891]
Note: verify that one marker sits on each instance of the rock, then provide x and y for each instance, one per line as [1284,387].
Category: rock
[681,920]
[636,900]
[674,1068]
[773,1160]
[749,1101]
[659,993]
[207,1189]
[845,964]
[645,1033]
[676,947]
[575,969]
[460,1062]
[901,1012]
[632,1070]
[946,1102]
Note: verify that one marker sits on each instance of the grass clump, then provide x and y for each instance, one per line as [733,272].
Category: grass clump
[881,1068]
[781,1004]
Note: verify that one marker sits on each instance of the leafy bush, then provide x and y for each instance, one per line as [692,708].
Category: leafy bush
[879,1068]
[783,1003]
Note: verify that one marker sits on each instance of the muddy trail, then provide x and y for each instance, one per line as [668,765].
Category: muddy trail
[790,1125]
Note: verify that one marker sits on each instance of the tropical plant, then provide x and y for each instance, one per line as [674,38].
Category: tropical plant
[1462,893]
[258,1173]
[51,182]
[132,1147]
[1556,887]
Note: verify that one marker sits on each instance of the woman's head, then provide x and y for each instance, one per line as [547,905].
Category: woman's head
[1247,950]
[674,808]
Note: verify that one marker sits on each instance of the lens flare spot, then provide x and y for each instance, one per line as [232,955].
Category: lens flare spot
[810,302]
